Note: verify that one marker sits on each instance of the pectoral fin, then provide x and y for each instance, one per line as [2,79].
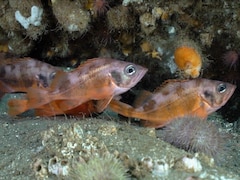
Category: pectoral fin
[101,105]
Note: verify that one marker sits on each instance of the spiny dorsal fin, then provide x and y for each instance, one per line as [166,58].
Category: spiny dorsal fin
[167,83]
[85,64]
[14,60]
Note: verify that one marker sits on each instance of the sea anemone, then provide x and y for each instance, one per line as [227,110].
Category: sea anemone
[231,59]
[195,135]
[100,7]
[102,168]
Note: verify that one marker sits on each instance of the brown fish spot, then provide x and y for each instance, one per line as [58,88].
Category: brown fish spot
[117,77]
[150,105]
[165,92]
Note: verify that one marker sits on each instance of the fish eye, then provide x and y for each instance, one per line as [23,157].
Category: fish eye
[52,75]
[221,88]
[130,70]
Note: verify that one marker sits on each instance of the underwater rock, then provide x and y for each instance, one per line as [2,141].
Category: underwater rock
[148,23]
[71,16]
[19,45]
[189,164]
[120,18]
[31,17]
[58,167]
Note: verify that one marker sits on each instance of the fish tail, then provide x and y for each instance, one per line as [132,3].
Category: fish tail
[17,106]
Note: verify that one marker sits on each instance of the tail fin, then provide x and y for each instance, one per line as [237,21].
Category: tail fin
[17,106]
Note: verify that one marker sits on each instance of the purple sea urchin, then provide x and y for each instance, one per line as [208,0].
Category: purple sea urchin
[195,135]
[231,59]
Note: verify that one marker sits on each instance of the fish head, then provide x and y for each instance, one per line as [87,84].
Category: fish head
[44,80]
[215,93]
[126,75]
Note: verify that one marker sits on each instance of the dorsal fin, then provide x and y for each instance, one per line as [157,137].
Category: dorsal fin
[91,64]
[14,60]
[167,83]
[87,62]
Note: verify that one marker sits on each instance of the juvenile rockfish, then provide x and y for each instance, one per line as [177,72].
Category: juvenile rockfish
[19,74]
[97,79]
[177,98]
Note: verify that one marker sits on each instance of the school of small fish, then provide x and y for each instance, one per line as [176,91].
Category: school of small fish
[96,84]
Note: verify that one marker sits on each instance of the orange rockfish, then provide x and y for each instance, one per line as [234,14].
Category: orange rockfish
[177,98]
[97,79]
[53,108]
[18,74]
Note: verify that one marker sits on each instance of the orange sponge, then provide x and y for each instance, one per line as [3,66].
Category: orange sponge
[188,59]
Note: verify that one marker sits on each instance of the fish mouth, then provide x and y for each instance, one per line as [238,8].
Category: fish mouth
[229,94]
[144,71]
[138,77]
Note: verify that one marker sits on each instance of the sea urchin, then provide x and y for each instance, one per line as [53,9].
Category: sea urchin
[231,59]
[195,135]
[102,168]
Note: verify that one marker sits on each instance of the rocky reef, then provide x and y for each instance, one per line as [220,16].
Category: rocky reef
[146,32]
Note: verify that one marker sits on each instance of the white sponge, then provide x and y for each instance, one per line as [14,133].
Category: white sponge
[34,19]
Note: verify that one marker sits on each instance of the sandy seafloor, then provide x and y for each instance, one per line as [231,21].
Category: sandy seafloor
[28,143]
